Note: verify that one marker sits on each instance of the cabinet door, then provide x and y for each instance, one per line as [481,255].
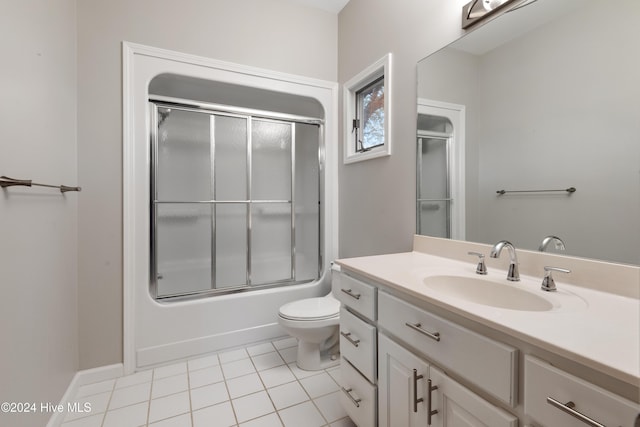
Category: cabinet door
[402,383]
[458,406]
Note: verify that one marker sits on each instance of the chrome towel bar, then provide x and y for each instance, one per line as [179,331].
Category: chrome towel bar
[5,181]
[568,190]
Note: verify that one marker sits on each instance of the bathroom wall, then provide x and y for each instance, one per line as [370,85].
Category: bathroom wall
[276,34]
[377,197]
[38,226]
[592,146]
[577,129]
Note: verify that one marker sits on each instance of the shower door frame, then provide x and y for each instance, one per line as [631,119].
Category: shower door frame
[213,110]
[456,114]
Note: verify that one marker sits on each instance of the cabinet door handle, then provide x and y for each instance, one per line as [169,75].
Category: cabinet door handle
[568,408]
[416,377]
[347,335]
[351,294]
[417,327]
[348,391]
[430,412]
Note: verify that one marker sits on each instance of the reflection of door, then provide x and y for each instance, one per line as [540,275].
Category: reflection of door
[434,196]
[440,170]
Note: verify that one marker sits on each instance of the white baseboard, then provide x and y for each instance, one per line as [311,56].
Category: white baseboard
[88,376]
[162,354]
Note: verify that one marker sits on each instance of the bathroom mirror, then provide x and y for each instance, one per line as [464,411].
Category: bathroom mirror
[548,95]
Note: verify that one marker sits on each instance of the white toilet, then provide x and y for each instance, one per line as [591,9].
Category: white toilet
[314,322]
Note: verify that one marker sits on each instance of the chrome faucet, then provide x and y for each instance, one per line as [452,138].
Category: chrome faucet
[513,274]
[548,284]
[482,267]
[559,244]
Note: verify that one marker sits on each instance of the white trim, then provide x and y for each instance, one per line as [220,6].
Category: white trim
[88,376]
[153,356]
[379,68]
[455,113]
[139,64]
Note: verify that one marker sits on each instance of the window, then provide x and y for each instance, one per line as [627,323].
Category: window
[368,126]
[367,113]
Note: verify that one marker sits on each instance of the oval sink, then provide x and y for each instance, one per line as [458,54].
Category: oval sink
[487,292]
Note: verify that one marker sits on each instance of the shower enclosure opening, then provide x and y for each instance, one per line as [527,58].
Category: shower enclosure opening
[235,199]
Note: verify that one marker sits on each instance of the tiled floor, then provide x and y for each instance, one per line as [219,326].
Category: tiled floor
[256,386]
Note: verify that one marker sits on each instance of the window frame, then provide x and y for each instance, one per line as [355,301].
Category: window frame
[381,69]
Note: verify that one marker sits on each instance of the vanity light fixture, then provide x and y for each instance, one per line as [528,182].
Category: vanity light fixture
[476,10]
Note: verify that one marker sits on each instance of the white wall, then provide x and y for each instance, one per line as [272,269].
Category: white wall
[377,197]
[277,34]
[38,226]
[576,125]
[562,115]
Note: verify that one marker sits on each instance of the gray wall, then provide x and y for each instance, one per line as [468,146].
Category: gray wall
[277,34]
[574,122]
[38,226]
[560,116]
[377,197]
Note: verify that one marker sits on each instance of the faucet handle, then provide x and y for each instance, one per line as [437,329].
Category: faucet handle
[548,284]
[482,267]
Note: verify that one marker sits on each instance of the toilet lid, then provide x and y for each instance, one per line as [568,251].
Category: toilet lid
[311,309]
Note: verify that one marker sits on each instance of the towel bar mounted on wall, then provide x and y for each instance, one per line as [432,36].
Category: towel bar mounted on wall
[568,190]
[5,181]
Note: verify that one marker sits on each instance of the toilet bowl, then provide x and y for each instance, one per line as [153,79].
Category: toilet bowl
[314,322]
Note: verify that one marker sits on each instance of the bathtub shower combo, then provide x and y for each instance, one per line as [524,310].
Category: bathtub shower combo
[235,199]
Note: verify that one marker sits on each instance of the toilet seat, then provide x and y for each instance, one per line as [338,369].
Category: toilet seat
[311,309]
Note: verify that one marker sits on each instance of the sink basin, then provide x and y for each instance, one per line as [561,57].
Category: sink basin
[488,292]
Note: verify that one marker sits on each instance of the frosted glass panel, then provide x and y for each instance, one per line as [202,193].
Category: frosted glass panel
[271,160]
[183,248]
[433,218]
[307,197]
[184,156]
[270,242]
[247,193]
[231,245]
[434,169]
[230,157]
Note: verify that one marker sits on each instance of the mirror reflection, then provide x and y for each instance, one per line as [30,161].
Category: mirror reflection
[544,97]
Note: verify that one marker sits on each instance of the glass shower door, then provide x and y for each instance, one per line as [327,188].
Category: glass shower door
[231,200]
[434,200]
[182,224]
[235,202]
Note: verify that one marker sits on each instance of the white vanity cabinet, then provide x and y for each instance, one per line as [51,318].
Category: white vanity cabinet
[553,397]
[358,348]
[391,390]
[486,363]
[402,386]
[412,393]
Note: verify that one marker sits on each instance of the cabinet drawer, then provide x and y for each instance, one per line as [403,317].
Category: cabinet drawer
[358,396]
[543,382]
[358,344]
[355,294]
[490,365]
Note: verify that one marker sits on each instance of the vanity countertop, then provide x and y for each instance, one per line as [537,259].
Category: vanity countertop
[602,332]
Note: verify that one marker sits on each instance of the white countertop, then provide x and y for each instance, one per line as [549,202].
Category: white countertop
[597,329]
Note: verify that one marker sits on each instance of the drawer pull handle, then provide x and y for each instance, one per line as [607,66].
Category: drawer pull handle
[416,377]
[430,412]
[351,294]
[417,327]
[347,335]
[348,391]
[568,408]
